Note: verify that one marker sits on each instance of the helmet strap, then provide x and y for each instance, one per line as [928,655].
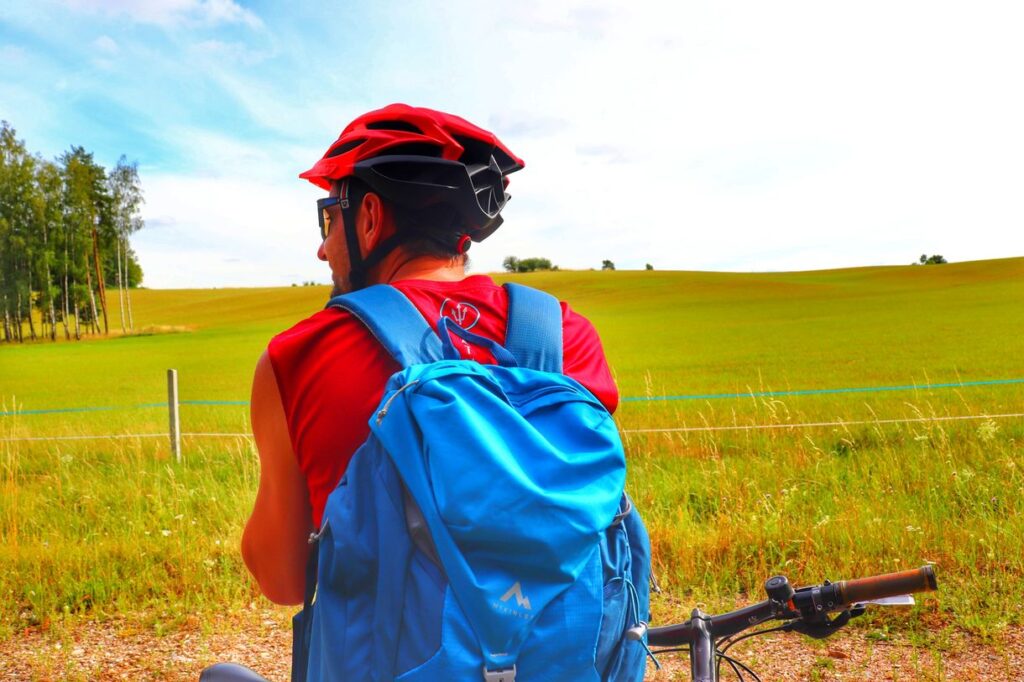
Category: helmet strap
[359,267]
[356,264]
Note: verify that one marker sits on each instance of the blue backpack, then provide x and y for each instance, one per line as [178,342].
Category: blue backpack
[482,531]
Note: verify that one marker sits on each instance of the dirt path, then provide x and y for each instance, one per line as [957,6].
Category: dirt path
[261,639]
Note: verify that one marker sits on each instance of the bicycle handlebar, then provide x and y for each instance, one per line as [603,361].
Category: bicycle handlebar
[888,585]
[804,603]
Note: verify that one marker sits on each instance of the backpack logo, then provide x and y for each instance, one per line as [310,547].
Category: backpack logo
[466,315]
[521,599]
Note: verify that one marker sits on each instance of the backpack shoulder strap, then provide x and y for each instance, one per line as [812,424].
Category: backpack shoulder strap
[534,334]
[394,321]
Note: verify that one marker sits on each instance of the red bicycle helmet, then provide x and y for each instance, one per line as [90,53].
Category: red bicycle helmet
[417,158]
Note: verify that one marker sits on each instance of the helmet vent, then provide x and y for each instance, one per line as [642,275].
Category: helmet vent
[404,126]
[479,151]
[413,149]
[474,151]
[342,148]
[488,186]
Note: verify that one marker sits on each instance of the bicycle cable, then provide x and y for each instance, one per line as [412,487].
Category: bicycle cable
[733,663]
[730,641]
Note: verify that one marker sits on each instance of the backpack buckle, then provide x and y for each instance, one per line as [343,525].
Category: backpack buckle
[500,675]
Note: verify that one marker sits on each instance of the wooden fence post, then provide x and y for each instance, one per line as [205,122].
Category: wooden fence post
[172,406]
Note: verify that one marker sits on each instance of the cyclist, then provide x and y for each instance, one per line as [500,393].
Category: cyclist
[409,190]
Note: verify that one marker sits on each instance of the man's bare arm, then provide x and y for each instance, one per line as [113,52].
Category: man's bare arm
[274,544]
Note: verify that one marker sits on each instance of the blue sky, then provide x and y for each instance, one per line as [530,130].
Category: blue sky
[713,136]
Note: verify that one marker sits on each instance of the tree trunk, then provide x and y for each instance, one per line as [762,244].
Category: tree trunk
[128,289]
[120,285]
[17,319]
[78,328]
[131,320]
[48,288]
[7,323]
[67,312]
[94,323]
[53,313]
[99,276]
[31,324]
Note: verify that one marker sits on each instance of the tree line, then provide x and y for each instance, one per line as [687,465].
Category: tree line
[64,229]
[516,264]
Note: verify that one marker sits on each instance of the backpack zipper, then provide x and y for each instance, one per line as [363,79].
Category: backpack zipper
[314,537]
[384,410]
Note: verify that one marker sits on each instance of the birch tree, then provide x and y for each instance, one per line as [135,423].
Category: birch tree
[126,202]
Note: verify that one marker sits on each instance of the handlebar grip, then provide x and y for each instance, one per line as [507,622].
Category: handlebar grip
[888,585]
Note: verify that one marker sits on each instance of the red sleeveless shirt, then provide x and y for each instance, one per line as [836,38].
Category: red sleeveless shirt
[331,372]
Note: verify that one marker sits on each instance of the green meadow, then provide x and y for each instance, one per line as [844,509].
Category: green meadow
[759,435]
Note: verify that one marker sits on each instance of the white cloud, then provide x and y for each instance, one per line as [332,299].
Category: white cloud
[228,52]
[264,105]
[106,45]
[210,154]
[240,216]
[221,231]
[171,13]
[12,55]
[760,136]
[228,12]
[526,124]
[740,136]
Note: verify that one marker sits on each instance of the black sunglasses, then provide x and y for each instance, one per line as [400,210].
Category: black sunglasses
[321,213]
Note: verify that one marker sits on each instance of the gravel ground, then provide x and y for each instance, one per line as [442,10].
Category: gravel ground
[261,639]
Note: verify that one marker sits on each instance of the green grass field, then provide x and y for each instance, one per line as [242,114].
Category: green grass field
[99,528]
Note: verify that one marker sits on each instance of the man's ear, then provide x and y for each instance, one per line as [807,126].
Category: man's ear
[371,222]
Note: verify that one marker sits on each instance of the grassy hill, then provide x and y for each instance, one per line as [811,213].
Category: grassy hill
[834,483]
[674,332]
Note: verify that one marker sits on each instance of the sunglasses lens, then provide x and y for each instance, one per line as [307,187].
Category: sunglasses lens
[325,223]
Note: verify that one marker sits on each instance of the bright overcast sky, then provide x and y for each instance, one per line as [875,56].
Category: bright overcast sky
[742,136]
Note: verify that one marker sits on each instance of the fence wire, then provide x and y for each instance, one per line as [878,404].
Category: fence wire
[753,427]
[680,429]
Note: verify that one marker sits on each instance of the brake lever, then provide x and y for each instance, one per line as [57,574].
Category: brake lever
[821,626]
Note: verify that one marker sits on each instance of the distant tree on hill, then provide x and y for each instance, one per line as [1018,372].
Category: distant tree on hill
[931,260]
[513,264]
[649,267]
[607,265]
[531,264]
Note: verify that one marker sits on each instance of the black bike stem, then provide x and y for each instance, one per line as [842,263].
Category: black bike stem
[702,648]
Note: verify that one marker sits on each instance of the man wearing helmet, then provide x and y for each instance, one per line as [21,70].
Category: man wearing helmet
[409,190]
